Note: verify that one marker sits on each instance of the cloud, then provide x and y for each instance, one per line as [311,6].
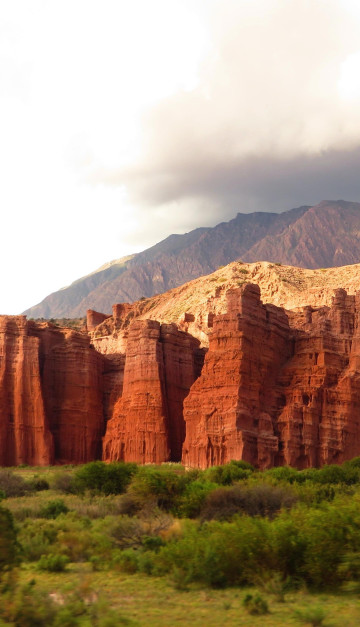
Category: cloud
[268,125]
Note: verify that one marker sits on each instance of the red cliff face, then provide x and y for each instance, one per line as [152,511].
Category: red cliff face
[25,436]
[320,421]
[73,393]
[147,423]
[50,394]
[231,409]
[276,388]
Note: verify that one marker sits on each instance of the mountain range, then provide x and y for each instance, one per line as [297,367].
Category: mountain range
[320,236]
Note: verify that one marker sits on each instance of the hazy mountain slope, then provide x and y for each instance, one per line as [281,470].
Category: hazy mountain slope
[321,236]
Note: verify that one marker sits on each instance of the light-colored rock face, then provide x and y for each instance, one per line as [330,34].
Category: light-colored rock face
[193,305]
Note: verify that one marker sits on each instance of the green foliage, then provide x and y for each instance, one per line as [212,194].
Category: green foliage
[193,498]
[164,486]
[254,500]
[314,616]
[226,475]
[255,605]
[9,548]
[53,563]
[53,509]
[99,477]
[12,484]
[37,484]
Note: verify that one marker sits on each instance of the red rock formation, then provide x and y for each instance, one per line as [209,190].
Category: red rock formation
[73,393]
[320,421]
[231,408]
[24,431]
[147,423]
[50,394]
[94,318]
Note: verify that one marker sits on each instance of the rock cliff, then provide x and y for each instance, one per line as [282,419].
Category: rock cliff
[50,394]
[276,386]
[147,424]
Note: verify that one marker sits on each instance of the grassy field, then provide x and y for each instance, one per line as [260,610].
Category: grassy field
[116,565]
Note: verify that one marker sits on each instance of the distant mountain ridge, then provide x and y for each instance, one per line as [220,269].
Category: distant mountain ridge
[325,235]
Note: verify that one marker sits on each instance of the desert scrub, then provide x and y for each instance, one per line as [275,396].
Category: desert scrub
[101,478]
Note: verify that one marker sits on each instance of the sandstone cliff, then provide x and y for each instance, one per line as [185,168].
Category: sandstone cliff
[147,424]
[276,387]
[50,394]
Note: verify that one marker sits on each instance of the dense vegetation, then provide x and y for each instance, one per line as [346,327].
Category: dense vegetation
[279,532]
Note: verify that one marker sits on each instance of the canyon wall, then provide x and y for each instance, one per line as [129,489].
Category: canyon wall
[147,423]
[276,388]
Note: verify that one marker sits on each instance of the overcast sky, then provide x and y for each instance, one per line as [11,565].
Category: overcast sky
[122,121]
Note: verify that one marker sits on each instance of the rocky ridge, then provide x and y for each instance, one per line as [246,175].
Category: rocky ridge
[324,235]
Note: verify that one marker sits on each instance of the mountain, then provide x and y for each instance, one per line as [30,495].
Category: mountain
[325,235]
[192,305]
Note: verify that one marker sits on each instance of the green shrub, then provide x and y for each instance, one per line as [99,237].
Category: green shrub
[314,616]
[63,482]
[163,486]
[9,548]
[12,484]
[36,538]
[226,475]
[255,500]
[99,477]
[255,605]
[37,484]
[53,563]
[192,500]
[28,607]
[53,509]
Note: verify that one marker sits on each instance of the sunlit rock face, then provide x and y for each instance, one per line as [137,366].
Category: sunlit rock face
[277,387]
[147,423]
[231,410]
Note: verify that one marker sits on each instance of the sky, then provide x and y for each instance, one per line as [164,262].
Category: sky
[123,121]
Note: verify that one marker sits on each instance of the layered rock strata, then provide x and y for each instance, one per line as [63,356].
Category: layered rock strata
[161,365]
[50,394]
[277,387]
[230,412]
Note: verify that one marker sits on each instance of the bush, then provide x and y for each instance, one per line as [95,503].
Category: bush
[37,484]
[99,477]
[226,475]
[161,485]
[255,605]
[64,482]
[255,500]
[53,509]
[12,484]
[193,499]
[53,563]
[9,548]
